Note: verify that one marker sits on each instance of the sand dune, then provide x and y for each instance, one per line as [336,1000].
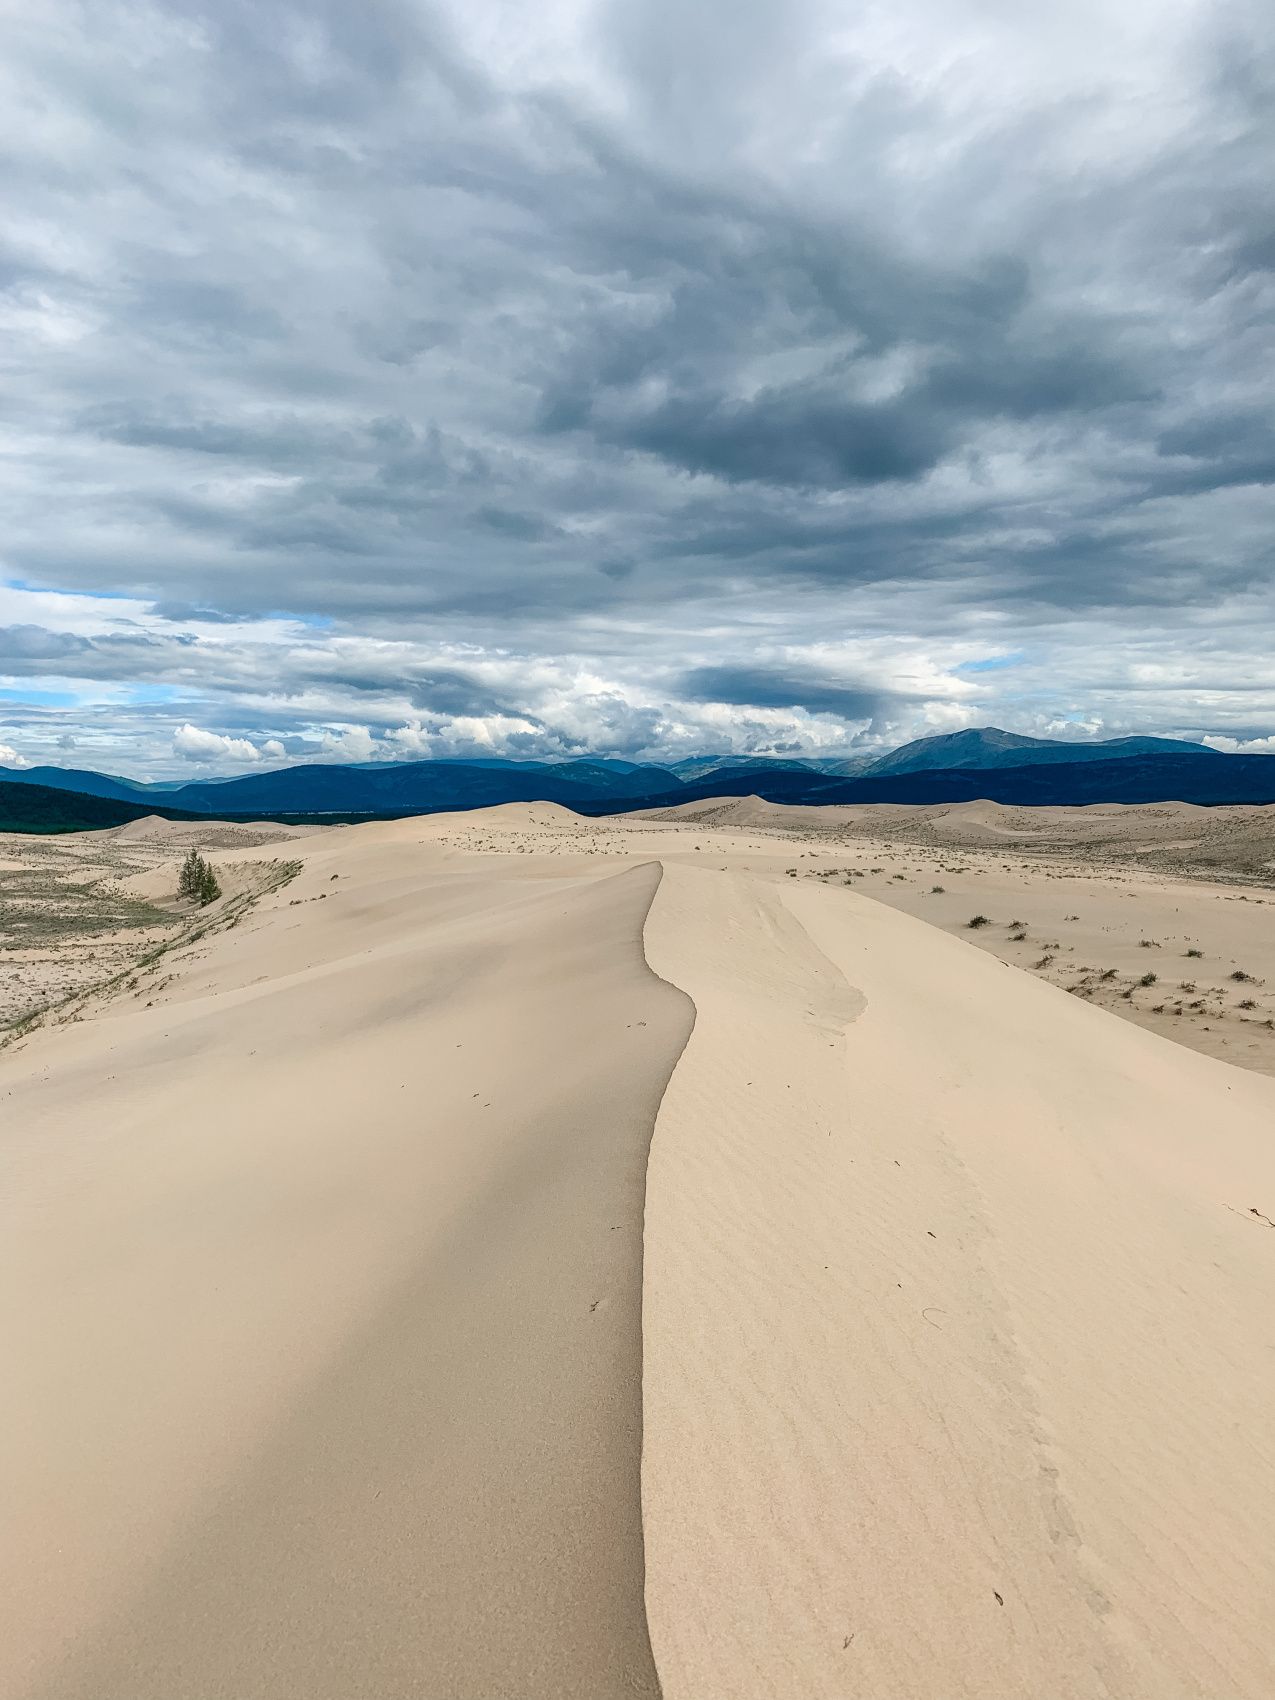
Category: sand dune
[355,1349]
[1173,838]
[218,833]
[327,1274]
[958,1328]
[729,811]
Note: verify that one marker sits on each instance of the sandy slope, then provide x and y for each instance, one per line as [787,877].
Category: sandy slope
[960,1344]
[1176,838]
[321,1300]
[334,1337]
[1163,914]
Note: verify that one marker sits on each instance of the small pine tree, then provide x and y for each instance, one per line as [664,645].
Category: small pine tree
[188,879]
[209,890]
[196,881]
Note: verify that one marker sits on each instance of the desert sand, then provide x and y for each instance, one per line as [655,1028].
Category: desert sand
[512,1255]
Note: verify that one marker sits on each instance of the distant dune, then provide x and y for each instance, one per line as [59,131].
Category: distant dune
[216,834]
[524,1256]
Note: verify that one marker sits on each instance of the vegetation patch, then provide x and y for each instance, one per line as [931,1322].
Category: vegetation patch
[197,882]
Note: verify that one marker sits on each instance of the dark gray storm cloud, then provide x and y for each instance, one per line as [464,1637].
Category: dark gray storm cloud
[767,687]
[647,377]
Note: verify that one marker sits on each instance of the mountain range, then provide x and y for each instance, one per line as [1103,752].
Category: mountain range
[989,747]
[951,767]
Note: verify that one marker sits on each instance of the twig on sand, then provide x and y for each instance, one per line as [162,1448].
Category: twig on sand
[1251,1211]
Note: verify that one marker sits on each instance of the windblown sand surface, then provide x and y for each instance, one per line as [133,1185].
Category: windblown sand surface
[355,1350]
[959,1331]
[1159,913]
[327,1272]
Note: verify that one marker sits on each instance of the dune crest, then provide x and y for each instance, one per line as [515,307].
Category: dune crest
[353,1345]
[325,1361]
[957,1342]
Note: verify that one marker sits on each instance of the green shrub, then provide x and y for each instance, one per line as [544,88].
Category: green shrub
[197,882]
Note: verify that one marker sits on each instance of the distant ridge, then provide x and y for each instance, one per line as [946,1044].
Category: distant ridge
[986,762]
[990,747]
[699,767]
[85,781]
[45,808]
[371,787]
[1132,779]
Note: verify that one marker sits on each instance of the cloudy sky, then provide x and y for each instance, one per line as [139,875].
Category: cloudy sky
[640,376]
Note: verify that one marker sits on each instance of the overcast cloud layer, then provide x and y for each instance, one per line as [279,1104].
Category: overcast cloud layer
[644,377]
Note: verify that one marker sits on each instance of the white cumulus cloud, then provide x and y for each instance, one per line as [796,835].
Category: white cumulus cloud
[195,744]
[349,743]
[1240,746]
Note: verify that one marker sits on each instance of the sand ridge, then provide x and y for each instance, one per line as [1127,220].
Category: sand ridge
[330,1371]
[946,1283]
[359,1348]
